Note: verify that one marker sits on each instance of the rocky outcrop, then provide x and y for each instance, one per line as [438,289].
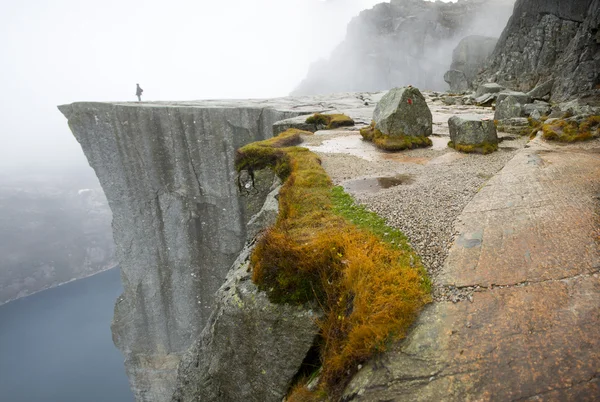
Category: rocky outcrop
[468,58]
[167,171]
[404,42]
[250,350]
[509,108]
[179,219]
[554,40]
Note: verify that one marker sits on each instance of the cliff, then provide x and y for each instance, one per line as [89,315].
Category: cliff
[178,219]
[403,42]
[562,45]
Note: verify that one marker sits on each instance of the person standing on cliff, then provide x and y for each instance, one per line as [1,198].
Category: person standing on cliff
[138,92]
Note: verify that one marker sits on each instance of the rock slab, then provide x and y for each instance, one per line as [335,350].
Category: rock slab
[527,248]
[472,130]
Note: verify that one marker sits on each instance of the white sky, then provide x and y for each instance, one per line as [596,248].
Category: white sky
[61,51]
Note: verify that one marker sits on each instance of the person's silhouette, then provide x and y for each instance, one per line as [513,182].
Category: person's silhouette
[138,92]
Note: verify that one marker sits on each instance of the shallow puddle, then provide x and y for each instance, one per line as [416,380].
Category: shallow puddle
[375,184]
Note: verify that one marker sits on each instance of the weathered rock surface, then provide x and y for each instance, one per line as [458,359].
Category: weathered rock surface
[178,219]
[488,88]
[457,81]
[468,58]
[527,261]
[250,349]
[521,97]
[403,111]
[537,109]
[509,108]
[553,40]
[472,130]
[405,42]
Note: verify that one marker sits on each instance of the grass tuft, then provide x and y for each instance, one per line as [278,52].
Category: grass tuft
[483,148]
[325,249]
[570,131]
[330,121]
[395,142]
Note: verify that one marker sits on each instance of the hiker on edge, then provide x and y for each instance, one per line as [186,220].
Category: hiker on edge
[138,92]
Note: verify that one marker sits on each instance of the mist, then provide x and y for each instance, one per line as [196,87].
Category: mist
[57,52]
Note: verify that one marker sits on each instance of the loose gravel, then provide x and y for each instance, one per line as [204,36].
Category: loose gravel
[426,209]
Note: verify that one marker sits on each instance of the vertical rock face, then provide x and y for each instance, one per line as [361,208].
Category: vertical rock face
[405,42]
[167,171]
[546,39]
[468,58]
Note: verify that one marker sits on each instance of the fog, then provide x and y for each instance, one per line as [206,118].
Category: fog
[63,51]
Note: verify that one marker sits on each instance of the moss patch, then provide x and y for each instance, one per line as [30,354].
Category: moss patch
[330,121]
[483,148]
[362,273]
[564,130]
[393,143]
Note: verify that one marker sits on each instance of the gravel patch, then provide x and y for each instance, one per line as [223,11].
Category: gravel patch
[424,210]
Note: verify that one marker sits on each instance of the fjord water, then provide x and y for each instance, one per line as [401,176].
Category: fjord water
[56,345]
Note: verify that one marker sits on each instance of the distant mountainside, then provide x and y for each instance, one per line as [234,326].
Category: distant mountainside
[403,42]
[54,227]
[554,40]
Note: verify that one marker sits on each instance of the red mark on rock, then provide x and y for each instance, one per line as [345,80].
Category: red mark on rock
[409,101]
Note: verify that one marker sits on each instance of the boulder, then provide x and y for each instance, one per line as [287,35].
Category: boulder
[488,88]
[523,98]
[470,132]
[403,112]
[298,122]
[485,99]
[457,81]
[516,125]
[509,108]
[542,90]
[449,100]
[537,109]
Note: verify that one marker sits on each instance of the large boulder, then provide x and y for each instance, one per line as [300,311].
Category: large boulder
[509,108]
[488,88]
[468,58]
[537,109]
[521,97]
[403,112]
[471,133]
[457,81]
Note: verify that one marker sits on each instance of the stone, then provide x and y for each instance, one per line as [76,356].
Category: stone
[457,81]
[472,130]
[468,58]
[403,111]
[540,108]
[488,88]
[541,90]
[508,109]
[298,122]
[449,100]
[486,99]
[521,97]
[250,349]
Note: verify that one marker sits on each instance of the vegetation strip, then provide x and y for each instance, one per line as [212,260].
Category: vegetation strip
[326,250]
[393,142]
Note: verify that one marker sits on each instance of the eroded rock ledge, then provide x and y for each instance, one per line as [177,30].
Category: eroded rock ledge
[178,220]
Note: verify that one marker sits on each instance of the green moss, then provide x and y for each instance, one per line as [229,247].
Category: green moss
[393,143]
[330,121]
[483,148]
[564,130]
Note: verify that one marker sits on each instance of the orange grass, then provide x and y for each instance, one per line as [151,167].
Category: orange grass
[363,275]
